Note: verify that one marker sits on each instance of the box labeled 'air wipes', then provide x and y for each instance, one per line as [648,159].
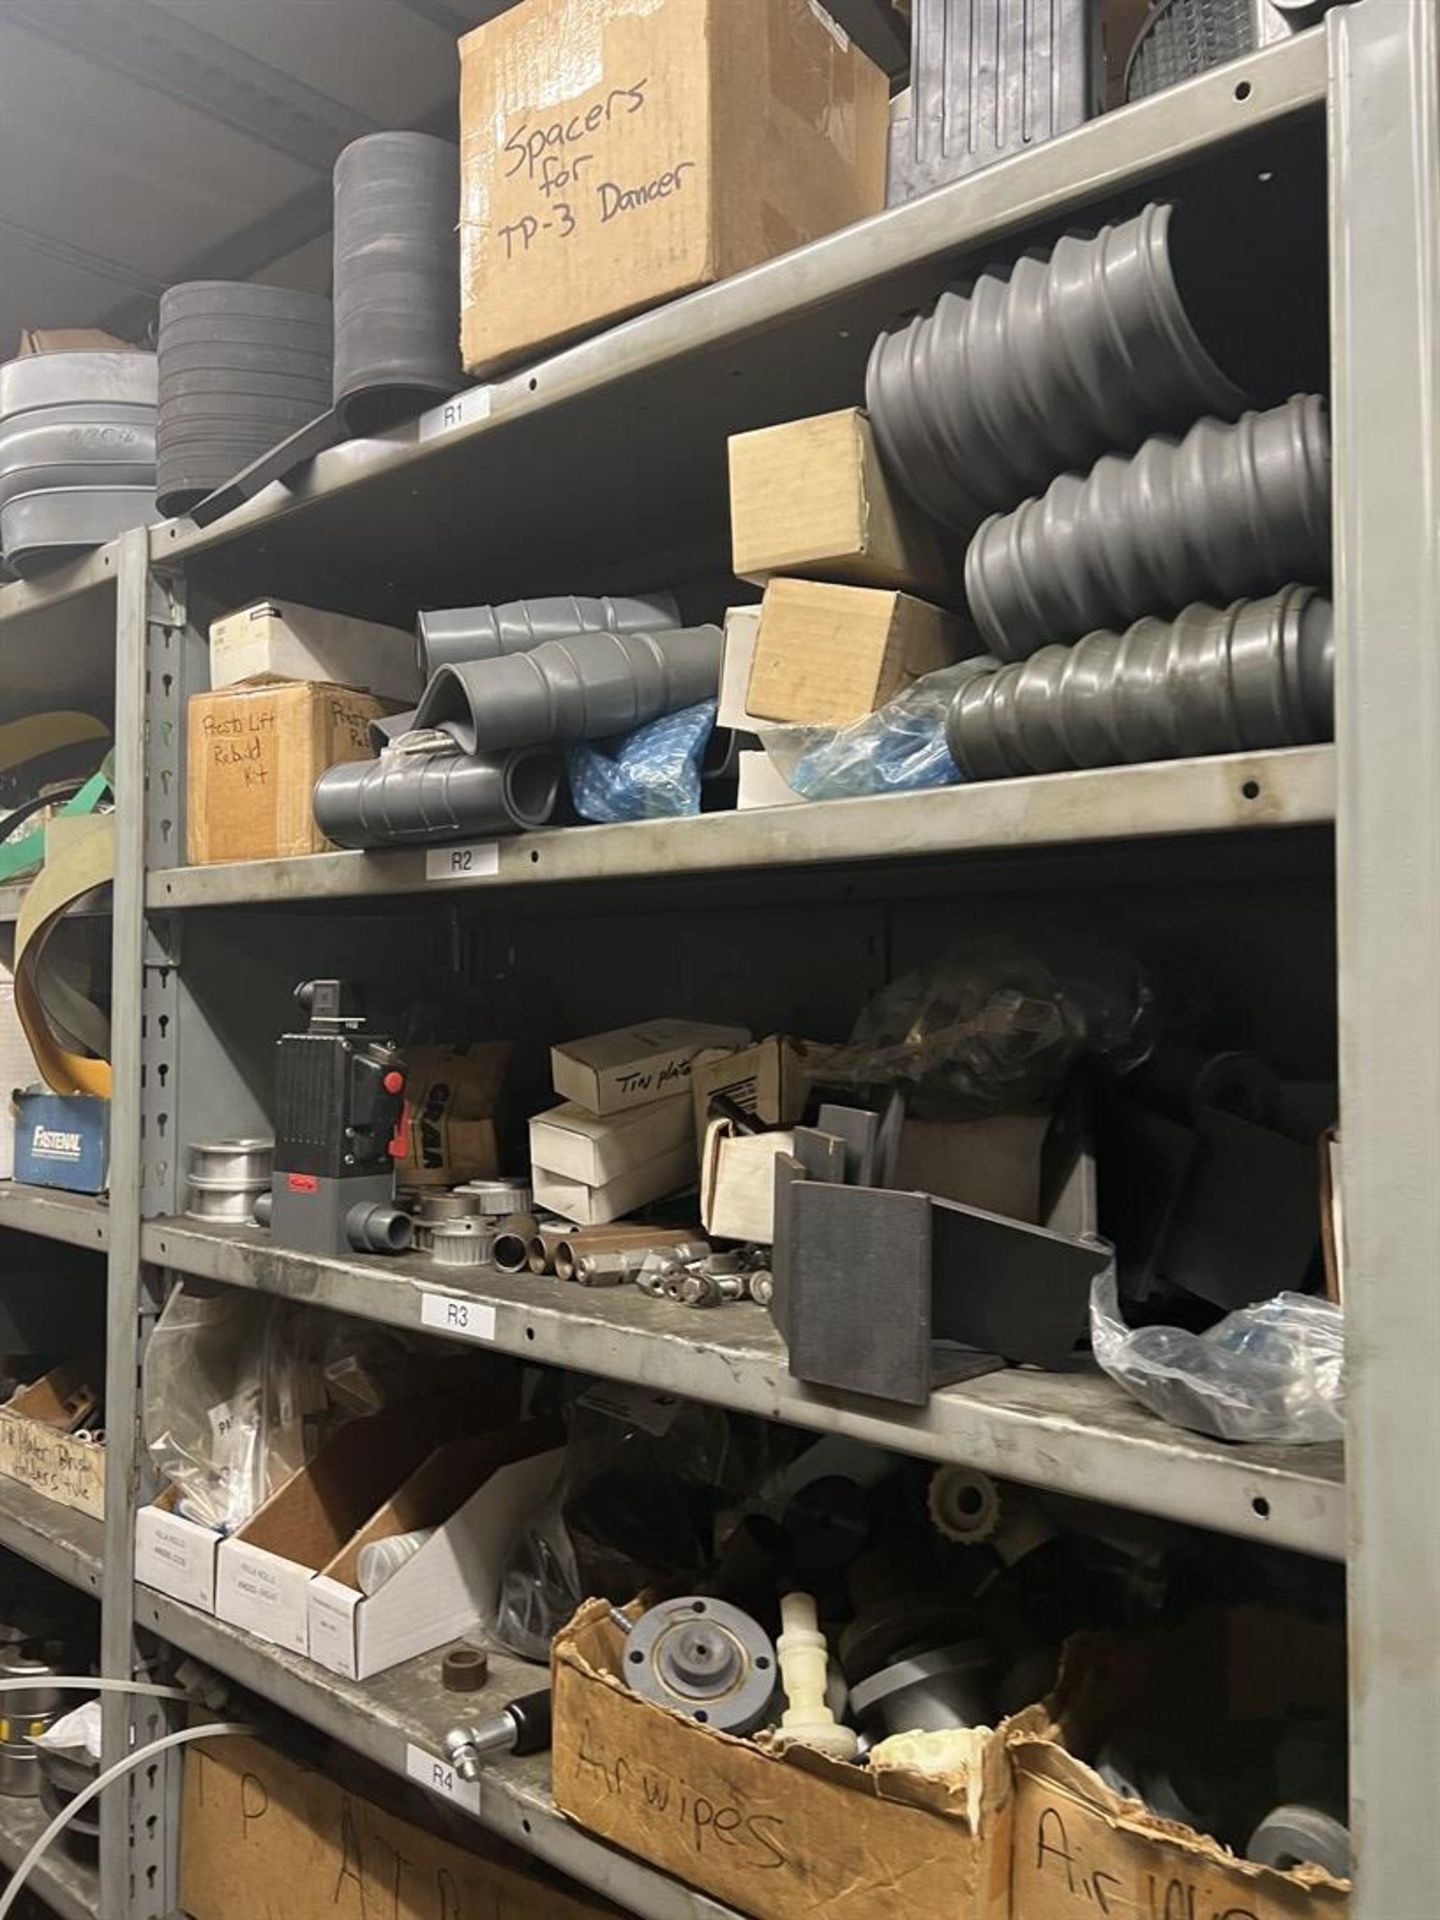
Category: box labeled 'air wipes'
[62,1140]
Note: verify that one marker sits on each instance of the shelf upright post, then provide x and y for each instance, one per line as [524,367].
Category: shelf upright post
[1385,269]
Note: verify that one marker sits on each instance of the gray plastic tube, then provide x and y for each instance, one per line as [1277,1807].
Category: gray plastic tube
[589,687]
[397,278]
[424,799]
[451,636]
[1257,674]
[1229,511]
[981,402]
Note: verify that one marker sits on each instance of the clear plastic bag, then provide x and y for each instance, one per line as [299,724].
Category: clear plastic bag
[999,1023]
[234,1397]
[651,774]
[1274,1371]
[900,748]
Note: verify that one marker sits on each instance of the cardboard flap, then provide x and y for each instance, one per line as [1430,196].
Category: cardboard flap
[64,1398]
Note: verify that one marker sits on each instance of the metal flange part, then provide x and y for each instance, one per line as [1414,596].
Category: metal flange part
[951,1687]
[1298,1836]
[704,1658]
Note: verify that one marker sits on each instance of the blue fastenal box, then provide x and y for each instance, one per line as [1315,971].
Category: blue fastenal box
[62,1140]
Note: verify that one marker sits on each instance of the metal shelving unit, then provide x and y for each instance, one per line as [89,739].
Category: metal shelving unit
[70,1886]
[79,1219]
[380,526]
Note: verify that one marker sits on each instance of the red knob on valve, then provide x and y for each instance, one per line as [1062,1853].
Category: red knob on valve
[394,1082]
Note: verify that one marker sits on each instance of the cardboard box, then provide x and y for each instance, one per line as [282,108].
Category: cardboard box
[69,340]
[630,1066]
[614,156]
[578,1145]
[781,1836]
[1071,1832]
[264,1838]
[264,1569]
[255,754]
[737,1182]
[811,498]
[62,1140]
[283,641]
[476,1493]
[993,1163]
[175,1555]
[771,1080]
[453,1093]
[39,1442]
[828,655]
[595,1206]
[762,784]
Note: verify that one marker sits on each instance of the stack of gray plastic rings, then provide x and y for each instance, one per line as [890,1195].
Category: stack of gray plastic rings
[242,367]
[77,453]
[1159,510]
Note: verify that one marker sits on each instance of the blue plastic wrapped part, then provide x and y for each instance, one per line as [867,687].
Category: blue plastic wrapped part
[899,748]
[651,774]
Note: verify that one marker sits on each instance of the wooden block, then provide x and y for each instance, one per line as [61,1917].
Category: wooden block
[811,498]
[827,655]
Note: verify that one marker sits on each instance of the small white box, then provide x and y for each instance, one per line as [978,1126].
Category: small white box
[175,1555]
[742,630]
[761,783]
[597,1206]
[737,1182]
[631,1066]
[263,1592]
[450,1586]
[582,1146]
[290,642]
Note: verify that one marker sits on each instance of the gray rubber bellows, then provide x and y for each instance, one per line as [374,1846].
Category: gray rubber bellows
[1258,674]
[397,278]
[980,402]
[589,687]
[77,452]
[449,636]
[242,367]
[1226,513]
[414,799]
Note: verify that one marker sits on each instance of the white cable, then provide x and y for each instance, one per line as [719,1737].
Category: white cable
[75,1683]
[98,1786]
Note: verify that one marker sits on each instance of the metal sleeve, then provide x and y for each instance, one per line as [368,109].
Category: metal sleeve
[1257,674]
[982,401]
[1227,512]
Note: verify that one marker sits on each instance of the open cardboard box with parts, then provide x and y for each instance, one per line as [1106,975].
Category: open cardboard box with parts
[781,1836]
[1218,1685]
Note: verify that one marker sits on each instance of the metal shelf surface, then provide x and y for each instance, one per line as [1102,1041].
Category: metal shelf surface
[1241,793]
[70,1886]
[1074,1432]
[575,492]
[66,1543]
[79,1219]
[399,1720]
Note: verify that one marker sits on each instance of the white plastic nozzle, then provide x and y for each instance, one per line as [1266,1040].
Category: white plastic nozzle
[804,1671]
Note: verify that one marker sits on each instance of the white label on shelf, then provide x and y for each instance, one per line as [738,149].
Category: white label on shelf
[474,862]
[462,1319]
[463,411]
[440,1777]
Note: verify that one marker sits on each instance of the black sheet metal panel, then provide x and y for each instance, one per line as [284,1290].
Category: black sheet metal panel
[242,368]
[278,464]
[397,278]
[989,78]
[858,1290]
[983,400]
[1258,674]
[1229,511]
[1005,1287]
